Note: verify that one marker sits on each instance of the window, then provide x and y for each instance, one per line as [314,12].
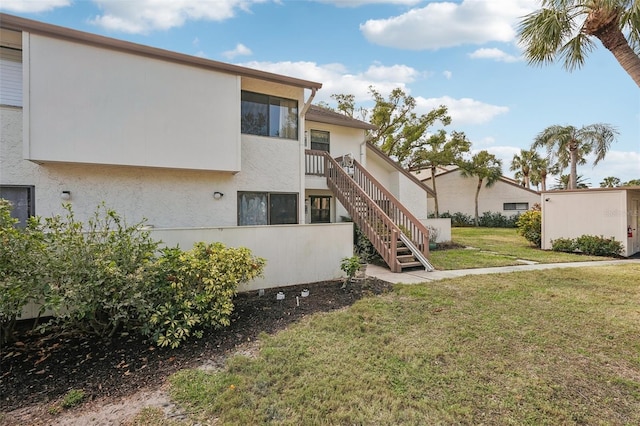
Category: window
[22,199]
[265,208]
[320,209]
[515,206]
[10,77]
[319,140]
[266,115]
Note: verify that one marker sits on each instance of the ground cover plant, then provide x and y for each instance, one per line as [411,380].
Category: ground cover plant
[547,347]
[491,247]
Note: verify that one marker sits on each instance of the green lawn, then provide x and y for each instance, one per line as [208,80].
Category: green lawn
[549,347]
[489,247]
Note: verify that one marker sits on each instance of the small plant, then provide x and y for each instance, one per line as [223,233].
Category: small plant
[72,398]
[433,234]
[350,266]
[530,226]
[567,245]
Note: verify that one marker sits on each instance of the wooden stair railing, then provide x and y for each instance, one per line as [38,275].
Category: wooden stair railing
[374,215]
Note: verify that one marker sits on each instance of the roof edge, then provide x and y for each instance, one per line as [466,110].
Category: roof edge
[17,23]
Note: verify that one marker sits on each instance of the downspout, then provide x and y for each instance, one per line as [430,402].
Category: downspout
[302,141]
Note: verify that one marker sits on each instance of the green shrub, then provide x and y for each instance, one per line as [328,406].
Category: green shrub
[598,246]
[459,219]
[530,226]
[100,273]
[22,268]
[350,265]
[567,245]
[498,220]
[72,398]
[196,290]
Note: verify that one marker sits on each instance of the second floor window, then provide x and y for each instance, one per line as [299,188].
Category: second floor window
[266,115]
[320,140]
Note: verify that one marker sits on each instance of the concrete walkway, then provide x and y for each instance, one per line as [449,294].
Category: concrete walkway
[421,276]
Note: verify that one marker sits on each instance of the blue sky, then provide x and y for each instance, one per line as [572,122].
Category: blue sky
[462,54]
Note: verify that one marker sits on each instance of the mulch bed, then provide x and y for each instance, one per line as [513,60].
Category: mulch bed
[40,369]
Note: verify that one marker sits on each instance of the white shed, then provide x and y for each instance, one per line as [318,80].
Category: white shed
[607,212]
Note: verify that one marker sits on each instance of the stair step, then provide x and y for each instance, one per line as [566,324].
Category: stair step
[416,264]
[406,258]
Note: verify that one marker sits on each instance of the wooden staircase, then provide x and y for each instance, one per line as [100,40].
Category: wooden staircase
[400,239]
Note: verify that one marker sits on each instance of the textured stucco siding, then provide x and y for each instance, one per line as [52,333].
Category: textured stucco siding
[457,194]
[109,107]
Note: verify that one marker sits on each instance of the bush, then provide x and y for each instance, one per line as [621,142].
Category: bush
[567,245]
[22,268]
[498,220]
[100,273]
[530,226]
[196,290]
[598,246]
[459,219]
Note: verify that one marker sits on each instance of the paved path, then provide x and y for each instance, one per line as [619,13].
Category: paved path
[418,276]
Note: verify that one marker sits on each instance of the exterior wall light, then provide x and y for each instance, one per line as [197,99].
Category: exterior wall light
[65,195]
[217,195]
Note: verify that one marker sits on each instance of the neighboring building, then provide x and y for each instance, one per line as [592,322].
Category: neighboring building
[457,194]
[606,212]
[202,149]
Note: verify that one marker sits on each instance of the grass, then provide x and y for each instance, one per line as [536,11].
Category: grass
[548,347]
[496,247]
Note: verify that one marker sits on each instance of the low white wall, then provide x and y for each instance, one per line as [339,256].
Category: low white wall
[442,225]
[295,254]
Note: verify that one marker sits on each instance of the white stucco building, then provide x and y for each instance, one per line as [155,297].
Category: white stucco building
[203,150]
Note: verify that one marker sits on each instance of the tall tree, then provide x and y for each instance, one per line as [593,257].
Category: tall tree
[440,150]
[562,182]
[567,28]
[484,166]
[570,145]
[522,164]
[400,131]
[540,169]
[610,182]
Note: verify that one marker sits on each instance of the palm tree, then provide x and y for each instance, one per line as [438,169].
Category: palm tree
[522,164]
[562,182]
[443,151]
[484,166]
[632,182]
[566,29]
[610,182]
[540,169]
[570,145]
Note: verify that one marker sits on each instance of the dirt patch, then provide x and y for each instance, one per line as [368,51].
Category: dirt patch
[121,375]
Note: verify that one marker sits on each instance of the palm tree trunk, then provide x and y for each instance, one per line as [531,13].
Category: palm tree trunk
[603,24]
[477,193]
[573,174]
[435,193]
[543,181]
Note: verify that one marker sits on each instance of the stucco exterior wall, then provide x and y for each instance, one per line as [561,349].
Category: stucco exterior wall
[412,196]
[109,107]
[567,214]
[295,254]
[457,194]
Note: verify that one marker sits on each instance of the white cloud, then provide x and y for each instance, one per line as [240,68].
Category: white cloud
[495,54]
[462,111]
[623,165]
[33,6]
[357,3]
[336,79]
[447,24]
[144,16]
[447,74]
[240,50]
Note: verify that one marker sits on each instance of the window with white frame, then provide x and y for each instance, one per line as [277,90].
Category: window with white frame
[515,206]
[266,115]
[267,208]
[319,140]
[10,77]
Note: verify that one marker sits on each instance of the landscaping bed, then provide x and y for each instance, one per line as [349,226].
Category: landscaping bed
[40,369]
